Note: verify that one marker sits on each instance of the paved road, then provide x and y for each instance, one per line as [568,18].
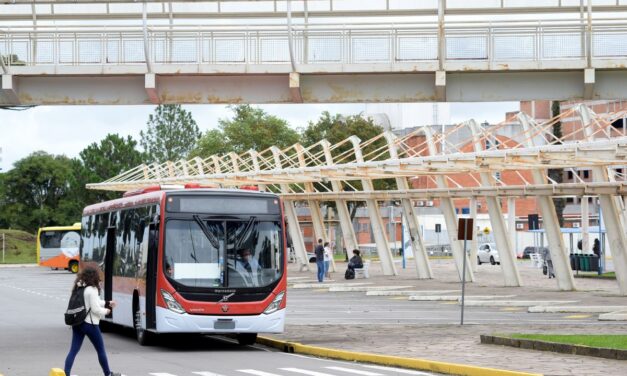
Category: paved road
[34,339]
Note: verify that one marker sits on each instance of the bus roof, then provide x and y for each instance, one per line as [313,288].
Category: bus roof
[155,196]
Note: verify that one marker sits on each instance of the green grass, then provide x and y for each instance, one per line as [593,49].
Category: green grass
[610,275]
[608,341]
[20,247]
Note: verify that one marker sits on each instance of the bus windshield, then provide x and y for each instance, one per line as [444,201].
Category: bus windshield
[232,253]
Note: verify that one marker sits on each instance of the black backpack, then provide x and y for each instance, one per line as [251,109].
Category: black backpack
[76,312]
[350,274]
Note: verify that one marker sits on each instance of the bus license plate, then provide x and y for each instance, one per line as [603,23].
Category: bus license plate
[224,324]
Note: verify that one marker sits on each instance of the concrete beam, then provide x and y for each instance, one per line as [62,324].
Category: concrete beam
[294,84]
[67,85]
[9,89]
[440,86]
[150,84]
[588,83]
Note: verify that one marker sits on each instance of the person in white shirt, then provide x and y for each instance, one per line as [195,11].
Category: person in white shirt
[89,277]
[327,260]
[248,268]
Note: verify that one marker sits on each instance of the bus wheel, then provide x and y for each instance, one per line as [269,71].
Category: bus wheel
[144,337]
[74,267]
[246,339]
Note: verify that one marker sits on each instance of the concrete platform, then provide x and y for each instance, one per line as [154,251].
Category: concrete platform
[515,303]
[575,309]
[614,316]
[425,298]
[365,288]
[411,292]
[318,285]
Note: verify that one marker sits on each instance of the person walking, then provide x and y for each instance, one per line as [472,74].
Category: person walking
[327,259]
[89,277]
[319,251]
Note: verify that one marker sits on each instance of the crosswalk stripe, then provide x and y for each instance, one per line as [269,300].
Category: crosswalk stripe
[306,372]
[399,370]
[206,374]
[356,371]
[161,374]
[258,373]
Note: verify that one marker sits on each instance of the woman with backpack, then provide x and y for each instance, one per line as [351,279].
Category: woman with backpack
[88,279]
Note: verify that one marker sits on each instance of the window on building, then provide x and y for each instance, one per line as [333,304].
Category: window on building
[586,174]
[570,175]
[570,200]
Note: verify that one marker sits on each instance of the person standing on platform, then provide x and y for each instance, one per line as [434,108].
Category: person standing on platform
[319,251]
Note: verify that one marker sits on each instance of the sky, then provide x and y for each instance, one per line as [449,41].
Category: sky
[69,129]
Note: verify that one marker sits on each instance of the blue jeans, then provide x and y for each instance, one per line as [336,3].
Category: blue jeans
[326,267]
[78,335]
[320,264]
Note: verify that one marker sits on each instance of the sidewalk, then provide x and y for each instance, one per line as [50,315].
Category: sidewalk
[457,344]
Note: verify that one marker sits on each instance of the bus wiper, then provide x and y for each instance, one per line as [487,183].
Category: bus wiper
[208,234]
[245,234]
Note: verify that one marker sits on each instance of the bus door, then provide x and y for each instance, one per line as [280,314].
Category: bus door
[108,267]
[151,276]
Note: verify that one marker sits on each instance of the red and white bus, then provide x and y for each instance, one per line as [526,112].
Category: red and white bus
[191,260]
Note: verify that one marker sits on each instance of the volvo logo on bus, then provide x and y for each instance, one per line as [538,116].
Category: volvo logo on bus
[225,308]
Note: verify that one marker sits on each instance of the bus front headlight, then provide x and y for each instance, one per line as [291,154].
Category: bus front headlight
[172,304]
[276,303]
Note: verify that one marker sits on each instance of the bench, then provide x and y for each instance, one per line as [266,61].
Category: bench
[363,272]
[536,260]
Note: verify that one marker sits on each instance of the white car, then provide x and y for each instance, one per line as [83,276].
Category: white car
[488,253]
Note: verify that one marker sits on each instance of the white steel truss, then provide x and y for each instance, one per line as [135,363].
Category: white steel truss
[345,172]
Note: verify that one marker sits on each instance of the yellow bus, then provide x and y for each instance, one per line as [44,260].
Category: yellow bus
[58,247]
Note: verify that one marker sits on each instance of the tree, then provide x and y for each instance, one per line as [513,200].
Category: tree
[38,192]
[337,128]
[556,174]
[172,133]
[112,156]
[250,128]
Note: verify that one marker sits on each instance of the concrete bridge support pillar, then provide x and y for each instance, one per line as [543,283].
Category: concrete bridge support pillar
[292,219]
[378,228]
[448,210]
[423,269]
[348,232]
[557,248]
[611,212]
[508,261]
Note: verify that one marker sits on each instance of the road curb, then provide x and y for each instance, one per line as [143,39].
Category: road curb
[563,348]
[17,265]
[388,360]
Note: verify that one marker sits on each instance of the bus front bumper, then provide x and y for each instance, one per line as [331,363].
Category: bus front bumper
[172,322]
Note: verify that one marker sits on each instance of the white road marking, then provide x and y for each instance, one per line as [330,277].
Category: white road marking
[161,374]
[399,370]
[257,373]
[356,371]
[206,374]
[306,372]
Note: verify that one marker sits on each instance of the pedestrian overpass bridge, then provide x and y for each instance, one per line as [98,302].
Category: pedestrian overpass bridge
[315,51]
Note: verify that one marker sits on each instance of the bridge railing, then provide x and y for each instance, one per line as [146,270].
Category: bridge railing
[320,44]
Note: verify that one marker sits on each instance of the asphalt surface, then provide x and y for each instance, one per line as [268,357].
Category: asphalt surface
[34,339]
